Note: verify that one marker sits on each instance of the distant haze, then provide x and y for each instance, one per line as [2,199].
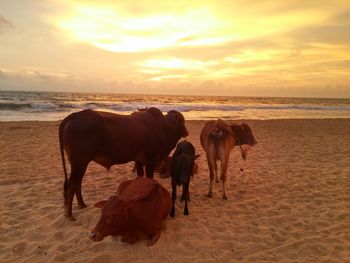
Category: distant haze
[237,48]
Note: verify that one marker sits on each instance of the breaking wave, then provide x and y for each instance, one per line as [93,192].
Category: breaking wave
[53,106]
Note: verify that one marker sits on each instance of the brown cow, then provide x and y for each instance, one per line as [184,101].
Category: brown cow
[136,212]
[107,138]
[217,139]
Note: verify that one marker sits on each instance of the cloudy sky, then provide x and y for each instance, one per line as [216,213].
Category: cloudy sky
[233,47]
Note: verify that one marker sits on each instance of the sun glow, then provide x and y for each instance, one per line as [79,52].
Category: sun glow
[117,31]
[176,63]
[262,47]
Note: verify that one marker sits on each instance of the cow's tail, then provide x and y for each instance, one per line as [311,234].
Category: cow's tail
[220,131]
[60,136]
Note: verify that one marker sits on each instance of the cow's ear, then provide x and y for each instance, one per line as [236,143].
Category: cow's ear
[176,116]
[245,126]
[101,204]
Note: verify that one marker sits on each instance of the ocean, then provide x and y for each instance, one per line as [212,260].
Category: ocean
[53,106]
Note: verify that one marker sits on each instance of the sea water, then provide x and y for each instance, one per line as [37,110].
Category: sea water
[53,106]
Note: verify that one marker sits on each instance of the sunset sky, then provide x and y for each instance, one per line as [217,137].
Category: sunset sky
[238,47]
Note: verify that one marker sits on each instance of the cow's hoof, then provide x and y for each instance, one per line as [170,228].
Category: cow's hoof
[70,217]
[81,206]
[209,195]
[154,238]
[225,197]
[186,213]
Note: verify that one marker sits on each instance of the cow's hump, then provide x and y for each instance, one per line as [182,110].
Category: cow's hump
[138,188]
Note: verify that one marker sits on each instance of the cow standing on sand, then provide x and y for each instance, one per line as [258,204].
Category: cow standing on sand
[145,137]
[217,139]
[181,170]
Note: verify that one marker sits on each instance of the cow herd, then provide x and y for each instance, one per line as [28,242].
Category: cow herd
[146,137]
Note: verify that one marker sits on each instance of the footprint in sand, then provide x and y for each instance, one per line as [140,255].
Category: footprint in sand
[102,259]
[19,248]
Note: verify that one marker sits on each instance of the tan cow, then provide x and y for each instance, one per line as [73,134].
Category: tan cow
[217,139]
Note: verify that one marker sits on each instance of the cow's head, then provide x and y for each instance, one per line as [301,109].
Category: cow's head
[244,134]
[178,122]
[113,219]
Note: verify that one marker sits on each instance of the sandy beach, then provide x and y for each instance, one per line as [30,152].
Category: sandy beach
[290,204]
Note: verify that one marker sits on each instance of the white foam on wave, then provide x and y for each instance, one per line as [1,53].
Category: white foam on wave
[52,106]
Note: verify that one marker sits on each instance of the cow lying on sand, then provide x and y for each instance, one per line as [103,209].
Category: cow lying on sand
[182,163]
[136,212]
[217,139]
[145,137]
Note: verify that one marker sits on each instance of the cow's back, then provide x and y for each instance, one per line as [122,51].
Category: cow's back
[186,148]
[216,138]
[134,136]
[147,214]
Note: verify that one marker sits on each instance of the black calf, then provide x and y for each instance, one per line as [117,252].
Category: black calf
[181,170]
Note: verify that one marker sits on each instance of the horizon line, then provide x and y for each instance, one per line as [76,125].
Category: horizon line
[164,94]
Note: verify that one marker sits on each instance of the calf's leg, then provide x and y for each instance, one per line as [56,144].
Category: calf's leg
[173,197]
[186,194]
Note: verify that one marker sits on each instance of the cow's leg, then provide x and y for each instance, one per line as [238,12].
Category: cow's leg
[224,165]
[139,169]
[154,238]
[71,188]
[183,195]
[81,203]
[130,238]
[75,179]
[173,197]
[216,172]
[150,166]
[211,164]
[186,193]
